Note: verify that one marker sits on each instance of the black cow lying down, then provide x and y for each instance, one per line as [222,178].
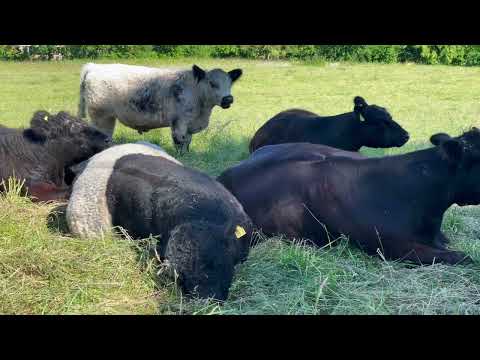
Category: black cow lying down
[202,229]
[367,125]
[392,204]
[40,154]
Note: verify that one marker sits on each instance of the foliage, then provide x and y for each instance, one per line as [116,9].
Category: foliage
[424,54]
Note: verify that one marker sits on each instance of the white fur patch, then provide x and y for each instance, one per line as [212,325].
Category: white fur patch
[87,211]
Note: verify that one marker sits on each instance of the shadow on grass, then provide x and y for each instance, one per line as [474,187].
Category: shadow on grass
[56,220]
[220,154]
[147,257]
[213,151]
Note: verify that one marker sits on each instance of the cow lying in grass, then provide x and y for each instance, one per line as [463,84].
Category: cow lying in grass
[202,229]
[393,205]
[145,98]
[367,125]
[40,154]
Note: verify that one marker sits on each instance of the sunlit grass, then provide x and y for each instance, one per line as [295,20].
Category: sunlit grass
[44,271]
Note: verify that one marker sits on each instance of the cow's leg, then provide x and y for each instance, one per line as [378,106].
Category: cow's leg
[42,191]
[103,121]
[180,135]
[440,241]
[425,255]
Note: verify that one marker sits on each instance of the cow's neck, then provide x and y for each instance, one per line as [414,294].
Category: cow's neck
[64,153]
[356,131]
[206,105]
[206,108]
[427,178]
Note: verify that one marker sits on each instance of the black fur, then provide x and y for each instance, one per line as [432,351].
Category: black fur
[235,74]
[193,216]
[176,91]
[145,99]
[40,154]
[346,131]
[394,205]
[198,73]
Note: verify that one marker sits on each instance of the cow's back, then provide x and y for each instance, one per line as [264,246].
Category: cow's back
[297,126]
[88,212]
[277,183]
[121,71]
[108,84]
[23,159]
[145,187]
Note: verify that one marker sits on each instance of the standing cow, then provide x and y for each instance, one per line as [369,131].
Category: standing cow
[145,98]
[393,204]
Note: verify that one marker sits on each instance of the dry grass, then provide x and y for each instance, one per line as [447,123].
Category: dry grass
[44,271]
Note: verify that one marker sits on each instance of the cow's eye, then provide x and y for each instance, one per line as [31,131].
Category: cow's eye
[213,85]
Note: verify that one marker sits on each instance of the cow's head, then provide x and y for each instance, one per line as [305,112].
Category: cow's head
[216,85]
[66,136]
[204,256]
[379,130]
[463,155]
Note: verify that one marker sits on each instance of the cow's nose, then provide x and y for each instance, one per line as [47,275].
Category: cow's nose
[227,100]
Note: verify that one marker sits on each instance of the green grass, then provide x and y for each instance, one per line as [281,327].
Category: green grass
[43,270]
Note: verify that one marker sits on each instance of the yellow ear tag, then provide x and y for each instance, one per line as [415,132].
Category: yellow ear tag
[239,232]
[46,118]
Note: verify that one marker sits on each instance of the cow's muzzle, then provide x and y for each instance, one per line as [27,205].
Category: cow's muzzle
[404,139]
[227,101]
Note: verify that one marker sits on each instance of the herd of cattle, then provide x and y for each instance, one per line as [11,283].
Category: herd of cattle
[304,178]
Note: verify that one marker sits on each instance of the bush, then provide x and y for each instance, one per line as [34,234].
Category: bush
[472,55]
[184,50]
[112,51]
[226,51]
[9,52]
[376,53]
[424,54]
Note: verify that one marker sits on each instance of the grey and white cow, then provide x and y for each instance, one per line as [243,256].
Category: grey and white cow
[145,98]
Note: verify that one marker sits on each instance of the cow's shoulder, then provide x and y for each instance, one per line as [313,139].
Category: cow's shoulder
[295,112]
[291,152]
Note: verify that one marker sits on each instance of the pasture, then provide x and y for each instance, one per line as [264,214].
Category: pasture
[45,271]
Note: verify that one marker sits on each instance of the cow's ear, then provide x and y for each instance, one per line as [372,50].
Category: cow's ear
[198,73]
[452,150]
[359,104]
[40,118]
[39,128]
[235,74]
[439,139]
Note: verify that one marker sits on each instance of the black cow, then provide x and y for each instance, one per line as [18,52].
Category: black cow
[41,154]
[367,125]
[392,204]
[202,229]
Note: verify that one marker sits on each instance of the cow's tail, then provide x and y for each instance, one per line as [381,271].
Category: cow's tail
[82,110]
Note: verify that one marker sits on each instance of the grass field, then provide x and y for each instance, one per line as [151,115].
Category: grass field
[44,271]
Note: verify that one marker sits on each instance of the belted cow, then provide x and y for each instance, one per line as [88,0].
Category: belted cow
[202,229]
[145,98]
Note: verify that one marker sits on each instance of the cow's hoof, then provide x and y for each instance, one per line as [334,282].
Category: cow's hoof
[457,257]
[182,150]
